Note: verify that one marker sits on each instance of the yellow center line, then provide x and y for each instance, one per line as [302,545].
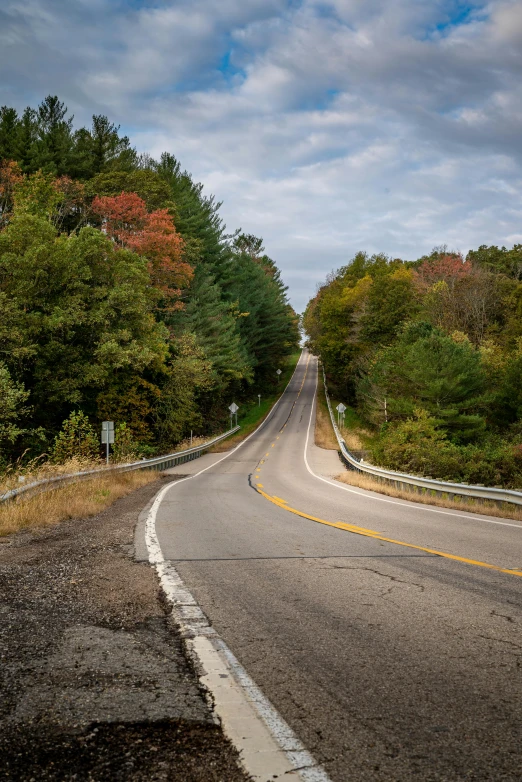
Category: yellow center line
[260,485]
[279,499]
[369,533]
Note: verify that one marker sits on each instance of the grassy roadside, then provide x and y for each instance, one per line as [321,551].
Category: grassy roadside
[355,437]
[363,481]
[353,432]
[324,433]
[252,415]
[76,500]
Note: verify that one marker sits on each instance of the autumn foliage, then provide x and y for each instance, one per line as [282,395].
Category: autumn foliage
[449,268]
[10,178]
[150,234]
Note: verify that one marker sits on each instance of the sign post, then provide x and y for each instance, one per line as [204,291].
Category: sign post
[278,373]
[259,397]
[233,411]
[107,435]
[340,414]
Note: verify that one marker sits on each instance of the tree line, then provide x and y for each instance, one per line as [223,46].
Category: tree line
[429,355]
[122,295]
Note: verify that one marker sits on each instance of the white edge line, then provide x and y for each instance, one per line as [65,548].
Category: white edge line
[267,745]
[411,505]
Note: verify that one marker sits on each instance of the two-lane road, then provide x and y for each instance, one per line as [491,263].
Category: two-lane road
[389,661]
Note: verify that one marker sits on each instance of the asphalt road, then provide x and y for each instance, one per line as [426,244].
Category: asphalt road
[389,663]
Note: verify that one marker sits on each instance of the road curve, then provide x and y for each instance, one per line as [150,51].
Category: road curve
[389,661]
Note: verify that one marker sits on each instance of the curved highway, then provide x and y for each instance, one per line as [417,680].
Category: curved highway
[390,660]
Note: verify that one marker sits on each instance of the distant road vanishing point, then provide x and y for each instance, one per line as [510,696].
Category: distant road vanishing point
[388,661]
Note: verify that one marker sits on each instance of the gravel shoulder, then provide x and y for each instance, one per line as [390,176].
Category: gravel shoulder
[94,684]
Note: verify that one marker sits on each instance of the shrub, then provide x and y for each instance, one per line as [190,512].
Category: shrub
[77,439]
[125,447]
[418,446]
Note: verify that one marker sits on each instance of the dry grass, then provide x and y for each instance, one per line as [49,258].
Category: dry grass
[324,433]
[352,439]
[76,500]
[184,445]
[40,469]
[506,511]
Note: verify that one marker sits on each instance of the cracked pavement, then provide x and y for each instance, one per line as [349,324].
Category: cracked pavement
[390,664]
[94,684]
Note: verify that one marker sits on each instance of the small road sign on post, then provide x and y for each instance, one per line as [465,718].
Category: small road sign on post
[340,413]
[259,397]
[278,373]
[107,435]
[233,411]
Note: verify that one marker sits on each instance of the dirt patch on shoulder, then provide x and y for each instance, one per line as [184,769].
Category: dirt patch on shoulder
[94,684]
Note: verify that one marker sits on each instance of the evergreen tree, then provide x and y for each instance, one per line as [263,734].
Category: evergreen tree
[54,139]
[8,133]
[427,370]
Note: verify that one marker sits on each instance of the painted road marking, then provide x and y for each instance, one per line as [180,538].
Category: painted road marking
[369,533]
[268,747]
[379,498]
[279,499]
[260,485]
[372,533]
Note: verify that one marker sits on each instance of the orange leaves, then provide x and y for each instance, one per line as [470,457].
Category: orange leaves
[152,235]
[449,268]
[122,215]
[10,177]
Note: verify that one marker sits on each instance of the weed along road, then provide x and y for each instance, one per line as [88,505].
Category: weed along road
[388,660]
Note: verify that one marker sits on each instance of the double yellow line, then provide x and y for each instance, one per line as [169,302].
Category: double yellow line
[370,533]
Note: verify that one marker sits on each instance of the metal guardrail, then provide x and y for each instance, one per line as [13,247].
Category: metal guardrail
[416,482]
[157,463]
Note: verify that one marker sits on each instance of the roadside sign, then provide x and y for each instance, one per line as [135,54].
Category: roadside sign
[233,408]
[107,436]
[107,433]
[340,408]
[278,371]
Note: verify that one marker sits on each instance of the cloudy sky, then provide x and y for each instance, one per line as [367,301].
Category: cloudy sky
[324,127]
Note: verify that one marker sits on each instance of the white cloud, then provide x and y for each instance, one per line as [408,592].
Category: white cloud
[386,125]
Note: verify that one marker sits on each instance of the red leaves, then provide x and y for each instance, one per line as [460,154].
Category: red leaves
[122,215]
[449,268]
[10,177]
[153,235]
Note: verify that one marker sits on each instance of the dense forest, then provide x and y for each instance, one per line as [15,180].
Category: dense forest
[429,356]
[122,297]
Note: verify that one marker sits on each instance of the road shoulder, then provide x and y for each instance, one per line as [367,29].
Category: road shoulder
[95,684]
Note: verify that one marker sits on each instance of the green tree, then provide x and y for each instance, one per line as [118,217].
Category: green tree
[391,301]
[187,373]
[425,369]
[8,133]
[499,260]
[77,439]
[13,397]
[78,312]
[215,324]
[54,137]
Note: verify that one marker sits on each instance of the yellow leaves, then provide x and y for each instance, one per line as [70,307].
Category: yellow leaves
[352,296]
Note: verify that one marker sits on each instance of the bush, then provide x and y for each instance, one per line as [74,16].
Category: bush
[125,448]
[418,446]
[77,439]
